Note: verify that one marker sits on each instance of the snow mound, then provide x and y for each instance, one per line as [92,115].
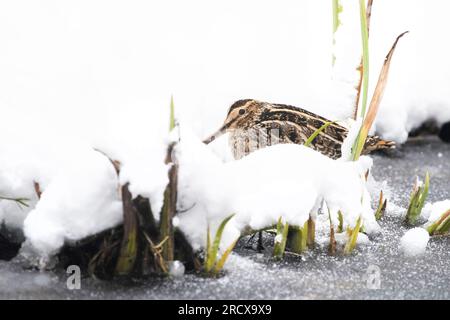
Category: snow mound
[414,242]
[285,180]
[81,200]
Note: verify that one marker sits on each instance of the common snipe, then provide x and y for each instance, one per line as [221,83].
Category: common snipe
[253,124]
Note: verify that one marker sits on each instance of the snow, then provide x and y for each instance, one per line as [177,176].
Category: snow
[414,242]
[419,75]
[285,180]
[78,67]
[176,269]
[278,238]
[347,145]
[82,199]
[342,239]
[433,211]
[85,75]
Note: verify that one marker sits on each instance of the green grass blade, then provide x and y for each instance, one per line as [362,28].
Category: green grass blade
[212,256]
[444,227]
[365,48]
[208,249]
[284,238]
[441,225]
[341,222]
[351,244]
[424,194]
[280,247]
[172,114]
[299,239]
[219,265]
[417,202]
[317,132]
[381,207]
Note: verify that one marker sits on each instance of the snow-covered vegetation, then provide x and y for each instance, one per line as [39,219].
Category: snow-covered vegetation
[86,82]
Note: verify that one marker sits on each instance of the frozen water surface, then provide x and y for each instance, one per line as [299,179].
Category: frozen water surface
[316,276]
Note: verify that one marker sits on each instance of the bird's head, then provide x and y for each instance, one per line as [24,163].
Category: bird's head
[241,115]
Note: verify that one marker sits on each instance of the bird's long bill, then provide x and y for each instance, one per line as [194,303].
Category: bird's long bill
[216,134]
[219,132]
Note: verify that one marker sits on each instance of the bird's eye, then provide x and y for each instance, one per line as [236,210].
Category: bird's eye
[241,111]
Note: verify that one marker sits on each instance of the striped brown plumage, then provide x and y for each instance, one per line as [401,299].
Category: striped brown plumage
[253,124]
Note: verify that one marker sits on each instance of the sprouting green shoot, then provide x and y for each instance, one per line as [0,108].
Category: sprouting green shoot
[440,226]
[172,114]
[381,207]
[417,200]
[341,222]
[19,201]
[365,48]
[280,239]
[219,265]
[351,243]
[212,265]
[299,238]
[317,132]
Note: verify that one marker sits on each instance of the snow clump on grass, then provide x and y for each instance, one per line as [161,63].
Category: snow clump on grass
[285,180]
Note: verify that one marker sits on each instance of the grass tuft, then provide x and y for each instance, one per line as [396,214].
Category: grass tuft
[172,115]
[212,265]
[417,200]
[351,243]
[381,207]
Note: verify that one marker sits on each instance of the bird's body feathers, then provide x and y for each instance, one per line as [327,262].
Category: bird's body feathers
[253,125]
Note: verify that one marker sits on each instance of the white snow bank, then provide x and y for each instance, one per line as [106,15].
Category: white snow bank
[414,242]
[82,199]
[347,144]
[73,63]
[79,185]
[140,146]
[286,180]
